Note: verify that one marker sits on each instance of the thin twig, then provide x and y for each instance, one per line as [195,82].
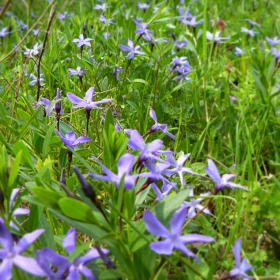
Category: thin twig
[26,35]
[52,13]
[5,8]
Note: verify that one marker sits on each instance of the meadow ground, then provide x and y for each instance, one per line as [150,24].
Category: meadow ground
[139,140]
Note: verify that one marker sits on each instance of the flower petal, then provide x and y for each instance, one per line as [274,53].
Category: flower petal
[73,273]
[89,94]
[212,171]
[70,136]
[87,273]
[124,48]
[6,269]
[46,257]
[193,238]
[136,141]
[153,115]
[245,266]
[28,264]
[73,98]
[12,198]
[154,146]
[164,247]
[91,255]
[20,212]
[81,140]
[125,164]
[237,251]
[154,226]
[69,242]
[186,251]
[5,236]
[27,240]
[178,220]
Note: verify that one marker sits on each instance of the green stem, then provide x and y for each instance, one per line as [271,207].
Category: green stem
[190,266]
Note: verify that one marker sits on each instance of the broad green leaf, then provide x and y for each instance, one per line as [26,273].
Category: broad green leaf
[93,231]
[48,197]
[77,210]
[14,171]
[165,209]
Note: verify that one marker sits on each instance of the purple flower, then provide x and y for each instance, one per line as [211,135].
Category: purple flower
[156,172]
[179,167]
[23,25]
[64,15]
[233,98]
[130,48]
[63,264]
[102,7]
[182,77]
[70,139]
[223,181]
[105,21]
[173,238]
[195,204]
[136,142]
[10,254]
[253,23]
[81,41]
[276,53]
[106,35]
[165,189]
[125,165]
[46,103]
[18,211]
[159,126]
[238,51]
[192,22]
[143,31]
[185,14]
[143,6]
[250,32]
[88,104]
[179,62]
[240,268]
[35,80]
[179,45]
[215,38]
[4,32]
[273,41]
[34,51]
[117,71]
[78,72]
[35,32]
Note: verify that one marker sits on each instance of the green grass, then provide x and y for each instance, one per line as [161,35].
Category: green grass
[242,137]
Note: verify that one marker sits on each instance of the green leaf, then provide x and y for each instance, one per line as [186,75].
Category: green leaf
[48,197]
[109,120]
[30,120]
[90,230]
[26,157]
[165,209]
[112,274]
[46,239]
[77,210]
[14,171]
[46,145]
